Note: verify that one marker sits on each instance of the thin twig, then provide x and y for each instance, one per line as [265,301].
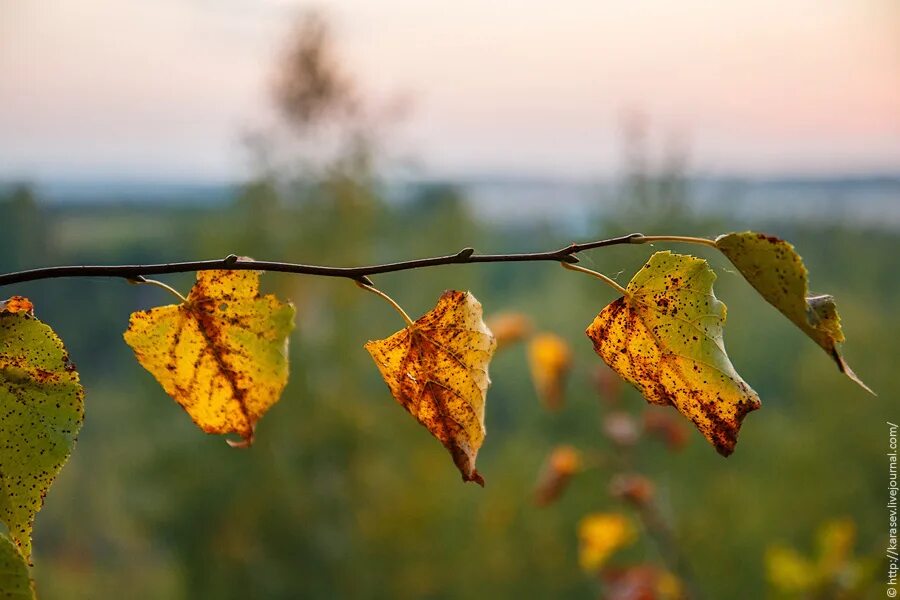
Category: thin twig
[566,254]
[659,531]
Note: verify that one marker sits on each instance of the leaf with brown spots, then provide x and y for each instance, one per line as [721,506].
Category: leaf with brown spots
[777,272]
[222,354]
[15,581]
[41,411]
[665,337]
[437,369]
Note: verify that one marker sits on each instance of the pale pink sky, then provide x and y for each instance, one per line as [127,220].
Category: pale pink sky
[131,88]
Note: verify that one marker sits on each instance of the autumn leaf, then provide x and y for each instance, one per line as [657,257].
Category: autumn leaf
[509,328]
[42,404]
[790,571]
[550,360]
[777,272]
[600,535]
[15,581]
[665,337]
[559,468]
[437,369]
[222,354]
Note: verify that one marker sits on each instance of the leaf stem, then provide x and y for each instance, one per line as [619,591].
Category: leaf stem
[649,239]
[600,276]
[661,534]
[391,301]
[140,280]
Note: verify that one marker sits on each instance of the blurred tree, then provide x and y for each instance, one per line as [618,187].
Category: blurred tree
[24,241]
[654,193]
[310,86]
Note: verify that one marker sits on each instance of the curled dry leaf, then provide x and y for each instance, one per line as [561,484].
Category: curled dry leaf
[600,535]
[15,581]
[437,369]
[39,392]
[509,328]
[222,355]
[665,337]
[550,360]
[562,463]
[776,271]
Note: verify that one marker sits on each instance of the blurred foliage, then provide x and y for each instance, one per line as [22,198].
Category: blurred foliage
[345,496]
[832,572]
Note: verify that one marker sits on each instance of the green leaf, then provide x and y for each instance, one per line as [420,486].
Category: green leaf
[15,582]
[42,408]
[777,272]
[665,337]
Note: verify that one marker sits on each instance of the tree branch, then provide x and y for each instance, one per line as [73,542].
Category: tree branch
[360,274]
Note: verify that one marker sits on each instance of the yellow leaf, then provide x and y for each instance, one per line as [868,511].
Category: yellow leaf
[774,268]
[665,337]
[835,541]
[550,360]
[600,535]
[222,355]
[787,570]
[437,369]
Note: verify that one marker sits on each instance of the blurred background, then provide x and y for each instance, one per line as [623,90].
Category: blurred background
[351,133]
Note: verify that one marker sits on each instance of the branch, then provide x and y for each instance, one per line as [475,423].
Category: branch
[136,273]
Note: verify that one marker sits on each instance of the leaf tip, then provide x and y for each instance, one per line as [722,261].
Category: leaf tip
[846,370]
[474,476]
[246,439]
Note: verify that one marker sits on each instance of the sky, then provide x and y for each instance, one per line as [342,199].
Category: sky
[130,89]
